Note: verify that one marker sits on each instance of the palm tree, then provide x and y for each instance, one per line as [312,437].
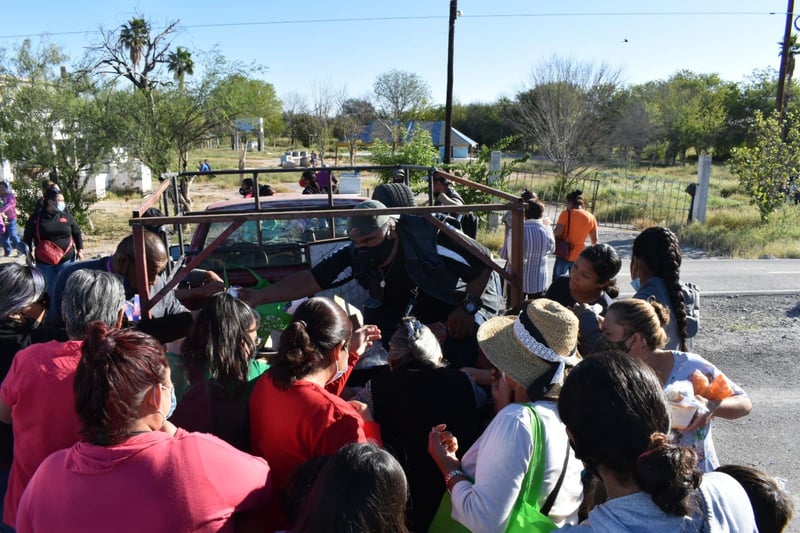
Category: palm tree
[134,36]
[180,63]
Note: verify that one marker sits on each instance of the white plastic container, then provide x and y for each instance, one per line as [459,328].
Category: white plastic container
[349,185]
[681,414]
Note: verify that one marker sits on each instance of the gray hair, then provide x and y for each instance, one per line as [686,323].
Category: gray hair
[20,286]
[414,342]
[91,296]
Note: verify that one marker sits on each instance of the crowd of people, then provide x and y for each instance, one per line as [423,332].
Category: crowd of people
[557,413]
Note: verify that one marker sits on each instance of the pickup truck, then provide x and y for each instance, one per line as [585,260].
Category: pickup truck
[273,248]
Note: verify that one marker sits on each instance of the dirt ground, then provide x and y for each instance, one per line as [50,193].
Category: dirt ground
[755,340]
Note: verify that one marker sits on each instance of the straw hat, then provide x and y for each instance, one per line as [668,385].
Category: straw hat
[535,346]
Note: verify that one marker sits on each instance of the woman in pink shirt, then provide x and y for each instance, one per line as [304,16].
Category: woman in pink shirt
[135,471]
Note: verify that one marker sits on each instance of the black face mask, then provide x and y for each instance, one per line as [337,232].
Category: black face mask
[380,253]
[616,346]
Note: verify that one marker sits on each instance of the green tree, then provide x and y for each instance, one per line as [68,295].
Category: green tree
[180,63]
[636,127]
[52,124]
[764,169]
[400,96]
[245,97]
[156,123]
[691,113]
[354,115]
[488,124]
[294,104]
[119,53]
[477,170]
[418,150]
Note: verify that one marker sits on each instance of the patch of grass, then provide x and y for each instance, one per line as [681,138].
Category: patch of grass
[740,233]
[492,239]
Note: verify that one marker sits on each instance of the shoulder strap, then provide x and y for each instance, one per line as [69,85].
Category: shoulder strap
[569,219]
[532,484]
[39,235]
[534,477]
[551,498]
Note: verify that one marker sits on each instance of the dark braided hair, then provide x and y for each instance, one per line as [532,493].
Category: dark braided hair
[659,249]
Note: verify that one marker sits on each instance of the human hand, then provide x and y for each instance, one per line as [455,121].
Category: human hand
[481,376]
[212,287]
[704,414]
[363,410]
[211,276]
[249,296]
[79,255]
[363,337]
[460,323]
[442,447]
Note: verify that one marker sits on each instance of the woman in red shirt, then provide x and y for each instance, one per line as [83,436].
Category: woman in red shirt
[295,409]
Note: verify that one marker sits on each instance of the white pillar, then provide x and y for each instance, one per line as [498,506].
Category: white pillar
[494,176]
[703,181]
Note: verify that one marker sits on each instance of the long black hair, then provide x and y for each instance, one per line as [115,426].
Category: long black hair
[659,249]
[626,432]
[220,342]
[360,488]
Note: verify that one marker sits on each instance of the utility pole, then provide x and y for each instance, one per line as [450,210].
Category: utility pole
[448,107]
[787,35]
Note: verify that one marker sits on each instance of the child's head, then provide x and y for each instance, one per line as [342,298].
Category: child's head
[772,506]
[360,488]
[596,269]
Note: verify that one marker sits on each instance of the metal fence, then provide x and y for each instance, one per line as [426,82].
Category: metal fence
[615,200]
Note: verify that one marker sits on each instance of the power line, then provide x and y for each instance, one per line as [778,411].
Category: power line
[431,17]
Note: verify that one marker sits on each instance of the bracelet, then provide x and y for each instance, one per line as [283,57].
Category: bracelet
[451,474]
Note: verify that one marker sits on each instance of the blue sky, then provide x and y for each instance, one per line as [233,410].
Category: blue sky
[347,43]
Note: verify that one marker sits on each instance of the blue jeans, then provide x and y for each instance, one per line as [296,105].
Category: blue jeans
[50,273]
[10,237]
[561,267]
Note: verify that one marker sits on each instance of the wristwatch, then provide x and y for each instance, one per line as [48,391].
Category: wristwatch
[471,304]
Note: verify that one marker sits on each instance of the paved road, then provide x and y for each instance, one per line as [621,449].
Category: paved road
[741,276]
[714,275]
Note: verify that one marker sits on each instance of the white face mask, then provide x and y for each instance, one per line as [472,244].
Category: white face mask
[338,374]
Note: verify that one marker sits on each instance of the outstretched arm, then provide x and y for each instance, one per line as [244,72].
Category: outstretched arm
[291,288]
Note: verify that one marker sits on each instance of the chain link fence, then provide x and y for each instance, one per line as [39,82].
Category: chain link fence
[614,199]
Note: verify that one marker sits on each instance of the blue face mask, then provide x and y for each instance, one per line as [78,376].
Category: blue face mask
[635,284]
[173,401]
[61,206]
